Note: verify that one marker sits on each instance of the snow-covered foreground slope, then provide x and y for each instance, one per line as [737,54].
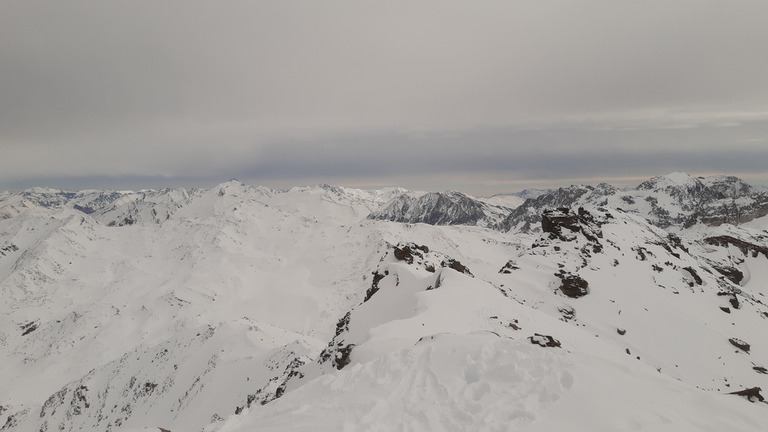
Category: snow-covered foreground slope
[245,309]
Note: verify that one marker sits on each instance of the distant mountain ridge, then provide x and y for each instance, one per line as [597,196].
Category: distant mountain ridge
[676,199]
[438,208]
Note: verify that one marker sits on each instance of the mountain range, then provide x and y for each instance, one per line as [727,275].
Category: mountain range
[241,308]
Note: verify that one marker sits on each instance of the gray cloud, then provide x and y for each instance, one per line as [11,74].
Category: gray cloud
[282,90]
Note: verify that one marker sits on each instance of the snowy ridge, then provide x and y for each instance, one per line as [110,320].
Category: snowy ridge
[243,308]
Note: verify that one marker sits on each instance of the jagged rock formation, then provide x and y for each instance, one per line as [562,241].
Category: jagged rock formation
[437,208]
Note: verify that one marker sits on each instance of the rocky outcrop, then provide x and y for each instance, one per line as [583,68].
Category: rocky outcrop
[740,344]
[572,285]
[509,267]
[545,341]
[563,223]
[529,214]
[412,253]
[751,394]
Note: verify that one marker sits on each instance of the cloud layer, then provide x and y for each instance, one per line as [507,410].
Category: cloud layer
[380,91]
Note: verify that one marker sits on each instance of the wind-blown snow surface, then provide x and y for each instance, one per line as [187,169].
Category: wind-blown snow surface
[178,309]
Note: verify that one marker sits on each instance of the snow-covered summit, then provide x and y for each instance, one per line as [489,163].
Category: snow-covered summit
[672,180]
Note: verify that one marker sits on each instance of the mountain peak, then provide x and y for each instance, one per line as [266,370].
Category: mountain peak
[671,180]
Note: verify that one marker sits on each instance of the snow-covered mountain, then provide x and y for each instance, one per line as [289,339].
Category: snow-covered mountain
[439,208]
[244,308]
[674,201]
[514,200]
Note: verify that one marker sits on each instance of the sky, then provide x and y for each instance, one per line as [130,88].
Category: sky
[485,97]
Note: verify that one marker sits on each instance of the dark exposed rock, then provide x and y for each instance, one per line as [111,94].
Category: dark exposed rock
[412,253]
[563,224]
[406,252]
[509,267]
[567,313]
[403,254]
[573,285]
[731,273]
[263,397]
[642,253]
[29,327]
[80,400]
[676,242]
[555,221]
[377,277]
[725,309]
[760,369]
[341,358]
[544,341]
[343,324]
[740,344]
[291,371]
[745,247]
[621,331]
[733,300]
[456,265]
[84,209]
[53,402]
[8,249]
[694,274]
[751,394]
[12,421]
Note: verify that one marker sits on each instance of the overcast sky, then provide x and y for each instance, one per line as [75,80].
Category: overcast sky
[479,96]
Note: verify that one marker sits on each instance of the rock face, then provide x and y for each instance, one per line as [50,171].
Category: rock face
[573,285]
[563,223]
[437,208]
